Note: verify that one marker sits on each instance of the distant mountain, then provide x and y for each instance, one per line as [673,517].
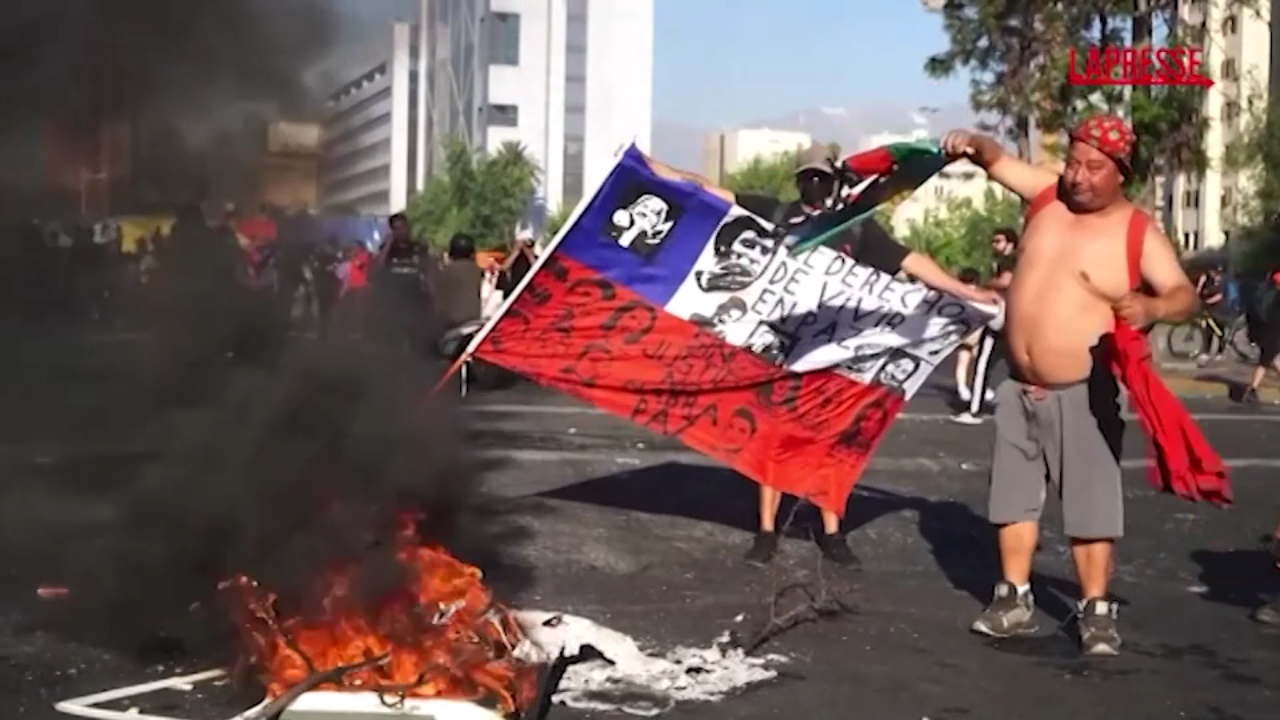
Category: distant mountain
[681,145]
[850,126]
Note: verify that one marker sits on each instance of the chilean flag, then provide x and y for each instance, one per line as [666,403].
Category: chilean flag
[662,304]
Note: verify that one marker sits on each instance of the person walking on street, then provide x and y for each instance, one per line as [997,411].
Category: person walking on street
[1267,309]
[965,353]
[991,345]
[1212,291]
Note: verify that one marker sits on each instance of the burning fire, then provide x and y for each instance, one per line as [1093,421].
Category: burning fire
[442,635]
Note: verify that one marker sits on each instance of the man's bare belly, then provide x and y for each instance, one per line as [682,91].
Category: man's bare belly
[1069,272]
[1051,361]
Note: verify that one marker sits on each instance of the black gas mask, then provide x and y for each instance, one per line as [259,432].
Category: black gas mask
[816,187]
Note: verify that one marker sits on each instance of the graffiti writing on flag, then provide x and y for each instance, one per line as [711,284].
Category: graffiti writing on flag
[819,309]
[668,307]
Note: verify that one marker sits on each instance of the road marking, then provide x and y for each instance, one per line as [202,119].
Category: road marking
[532,409]
[644,458]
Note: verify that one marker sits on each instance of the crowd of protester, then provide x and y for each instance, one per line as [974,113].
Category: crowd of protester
[290,270]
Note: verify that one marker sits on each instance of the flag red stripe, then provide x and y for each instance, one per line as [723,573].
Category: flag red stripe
[876,161]
[806,434]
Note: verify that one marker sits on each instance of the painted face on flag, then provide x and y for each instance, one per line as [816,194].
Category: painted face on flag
[740,429]
[644,220]
[632,321]
[867,425]
[743,249]
[898,371]
[729,312]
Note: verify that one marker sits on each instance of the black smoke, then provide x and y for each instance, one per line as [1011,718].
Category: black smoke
[191,85]
[255,451]
[185,56]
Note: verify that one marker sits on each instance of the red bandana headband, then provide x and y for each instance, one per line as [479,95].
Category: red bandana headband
[1109,135]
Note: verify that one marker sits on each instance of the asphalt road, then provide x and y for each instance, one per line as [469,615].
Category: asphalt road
[637,533]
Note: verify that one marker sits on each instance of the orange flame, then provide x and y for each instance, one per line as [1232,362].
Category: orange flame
[441,636]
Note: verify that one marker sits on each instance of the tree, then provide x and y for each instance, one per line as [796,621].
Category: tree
[958,235]
[1013,52]
[772,176]
[1169,121]
[479,194]
[1018,55]
[1170,125]
[1255,155]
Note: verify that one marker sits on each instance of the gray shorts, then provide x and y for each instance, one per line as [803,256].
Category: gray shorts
[1067,437]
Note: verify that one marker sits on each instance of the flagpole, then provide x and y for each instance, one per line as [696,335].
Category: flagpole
[541,260]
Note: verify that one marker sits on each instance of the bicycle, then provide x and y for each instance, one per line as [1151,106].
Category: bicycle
[1185,341]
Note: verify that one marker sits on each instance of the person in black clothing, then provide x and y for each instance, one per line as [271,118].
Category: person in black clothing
[1212,291]
[1267,325]
[206,315]
[296,234]
[325,282]
[518,263]
[401,293]
[991,343]
[869,244]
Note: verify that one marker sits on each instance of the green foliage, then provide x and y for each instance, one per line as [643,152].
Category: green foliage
[771,176]
[556,221]
[958,235]
[1017,55]
[1255,154]
[479,194]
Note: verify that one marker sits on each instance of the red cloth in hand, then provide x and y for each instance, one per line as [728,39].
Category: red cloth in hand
[1185,464]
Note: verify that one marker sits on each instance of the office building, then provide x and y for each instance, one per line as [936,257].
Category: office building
[570,80]
[726,152]
[1199,209]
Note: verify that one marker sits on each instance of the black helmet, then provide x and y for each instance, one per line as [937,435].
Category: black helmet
[462,247]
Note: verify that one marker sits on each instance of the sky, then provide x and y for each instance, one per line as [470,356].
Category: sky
[761,57]
[768,56]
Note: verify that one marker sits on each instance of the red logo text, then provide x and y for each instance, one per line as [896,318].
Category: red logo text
[1137,66]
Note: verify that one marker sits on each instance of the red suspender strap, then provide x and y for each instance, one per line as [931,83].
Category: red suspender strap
[1040,202]
[1133,239]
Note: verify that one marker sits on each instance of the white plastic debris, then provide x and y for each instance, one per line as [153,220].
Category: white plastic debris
[632,681]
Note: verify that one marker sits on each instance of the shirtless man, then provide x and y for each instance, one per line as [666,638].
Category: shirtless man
[1059,411]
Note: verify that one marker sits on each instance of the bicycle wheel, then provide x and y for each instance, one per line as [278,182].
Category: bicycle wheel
[1241,344]
[1185,341]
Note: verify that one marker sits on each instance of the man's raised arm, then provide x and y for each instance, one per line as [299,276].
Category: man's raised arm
[1019,176]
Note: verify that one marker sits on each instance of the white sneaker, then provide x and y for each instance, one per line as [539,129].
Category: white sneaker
[989,396]
[966,418]
[964,393]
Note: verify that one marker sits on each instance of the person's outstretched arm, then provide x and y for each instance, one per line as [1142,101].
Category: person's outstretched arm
[1018,175]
